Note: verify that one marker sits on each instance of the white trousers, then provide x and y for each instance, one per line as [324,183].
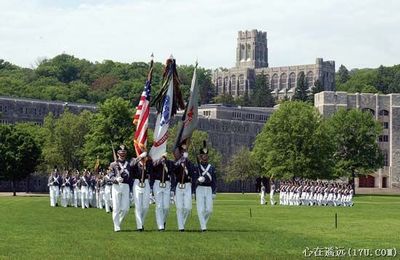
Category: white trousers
[76,196]
[162,198]
[142,202]
[262,198]
[66,197]
[120,201]
[271,198]
[204,204]
[183,202]
[85,196]
[107,197]
[54,193]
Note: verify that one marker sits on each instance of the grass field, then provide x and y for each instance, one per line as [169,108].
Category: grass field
[30,228]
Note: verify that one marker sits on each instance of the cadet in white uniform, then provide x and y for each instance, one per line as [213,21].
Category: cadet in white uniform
[54,184]
[142,172]
[206,181]
[121,176]
[161,182]
[184,171]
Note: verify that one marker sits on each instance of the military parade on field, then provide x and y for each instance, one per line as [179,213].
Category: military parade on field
[148,178]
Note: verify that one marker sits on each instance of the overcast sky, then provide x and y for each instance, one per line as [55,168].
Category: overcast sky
[358,34]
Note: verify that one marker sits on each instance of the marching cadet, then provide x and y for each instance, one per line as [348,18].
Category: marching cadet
[262,194]
[206,185]
[142,171]
[85,182]
[54,183]
[184,171]
[76,189]
[161,182]
[100,185]
[271,192]
[121,176]
[108,190]
[66,190]
[92,190]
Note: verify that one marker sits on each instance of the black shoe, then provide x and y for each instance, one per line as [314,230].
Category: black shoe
[140,229]
[181,230]
[165,225]
[204,230]
[161,229]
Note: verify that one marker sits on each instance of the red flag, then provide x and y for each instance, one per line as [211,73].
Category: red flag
[141,118]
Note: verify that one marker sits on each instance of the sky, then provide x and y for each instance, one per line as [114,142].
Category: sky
[356,33]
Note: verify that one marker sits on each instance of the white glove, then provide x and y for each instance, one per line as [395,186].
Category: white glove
[120,179]
[185,155]
[201,179]
[214,196]
[142,155]
[172,194]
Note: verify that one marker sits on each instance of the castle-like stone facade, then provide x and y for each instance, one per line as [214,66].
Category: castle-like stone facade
[15,110]
[386,110]
[252,60]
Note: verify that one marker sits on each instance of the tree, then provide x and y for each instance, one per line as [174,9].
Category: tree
[294,143]
[225,99]
[301,91]
[241,167]
[318,87]
[113,123]
[355,135]
[19,154]
[342,75]
[261,95]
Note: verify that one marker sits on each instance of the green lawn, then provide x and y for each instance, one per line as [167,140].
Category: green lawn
[30,228]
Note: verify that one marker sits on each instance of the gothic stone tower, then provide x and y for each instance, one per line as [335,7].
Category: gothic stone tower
[252,49]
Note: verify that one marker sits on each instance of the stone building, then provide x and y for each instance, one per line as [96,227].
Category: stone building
[252,60]
[385,109]
[14,110]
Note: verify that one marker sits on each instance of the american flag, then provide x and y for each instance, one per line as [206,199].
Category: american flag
[141,118]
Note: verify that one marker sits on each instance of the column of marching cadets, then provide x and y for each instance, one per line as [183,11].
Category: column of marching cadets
[311,193]
[140,182]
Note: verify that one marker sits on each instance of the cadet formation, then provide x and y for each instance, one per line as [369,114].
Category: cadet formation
[138,182]
[310,193]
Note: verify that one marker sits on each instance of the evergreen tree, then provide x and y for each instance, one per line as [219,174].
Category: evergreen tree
[301,91]
[342,75]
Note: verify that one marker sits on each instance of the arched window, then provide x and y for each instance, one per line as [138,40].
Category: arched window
[369,110]
[274,82]
[292,80]
[242,52]
[248,51]
[219,82]
[283,81]
[233,85]
[226,82]
[310,79]
[383,112]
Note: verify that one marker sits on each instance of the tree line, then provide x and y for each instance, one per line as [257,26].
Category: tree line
[67,78]
[382,80]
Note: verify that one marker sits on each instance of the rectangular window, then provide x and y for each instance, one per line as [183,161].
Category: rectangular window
[385,125]
[383,138]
